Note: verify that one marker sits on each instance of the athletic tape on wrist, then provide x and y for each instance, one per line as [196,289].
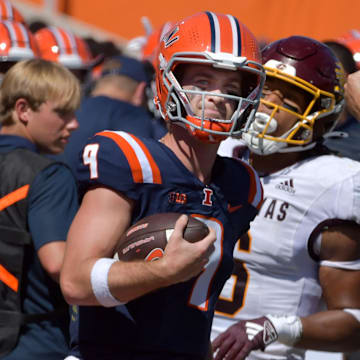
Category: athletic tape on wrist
[99,283]
[288,328]
[354,312]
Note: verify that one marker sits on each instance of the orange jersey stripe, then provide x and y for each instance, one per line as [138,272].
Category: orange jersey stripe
[155,170]
[20,39]
[129,153]
[8,279]
[14,197]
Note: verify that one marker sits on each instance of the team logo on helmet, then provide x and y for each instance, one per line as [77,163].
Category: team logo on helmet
[170,38]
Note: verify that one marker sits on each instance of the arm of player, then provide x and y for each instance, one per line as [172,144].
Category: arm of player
[336,329]
[103,216]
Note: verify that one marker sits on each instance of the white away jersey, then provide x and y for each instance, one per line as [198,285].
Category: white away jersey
[274,272]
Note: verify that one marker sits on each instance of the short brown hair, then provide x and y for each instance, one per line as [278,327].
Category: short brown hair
[38,81]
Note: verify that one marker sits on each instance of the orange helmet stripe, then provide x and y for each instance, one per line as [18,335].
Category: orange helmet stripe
[65,40]
[6,10]
[221,27]
[24,39]
[17,34]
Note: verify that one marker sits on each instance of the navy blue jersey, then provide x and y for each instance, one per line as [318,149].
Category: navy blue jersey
[176,319]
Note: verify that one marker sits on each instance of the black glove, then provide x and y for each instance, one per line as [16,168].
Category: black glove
[243,337]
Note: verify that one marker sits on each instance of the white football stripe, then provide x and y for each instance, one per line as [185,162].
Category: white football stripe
[234,35]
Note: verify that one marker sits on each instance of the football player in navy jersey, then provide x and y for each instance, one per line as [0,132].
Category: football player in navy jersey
[206,90]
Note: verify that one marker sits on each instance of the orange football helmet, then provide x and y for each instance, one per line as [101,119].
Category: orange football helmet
[9,12]
[64,47]
[16,42]
[216,40]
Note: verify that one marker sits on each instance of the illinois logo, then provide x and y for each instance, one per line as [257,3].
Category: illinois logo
[170,38]
[207,200]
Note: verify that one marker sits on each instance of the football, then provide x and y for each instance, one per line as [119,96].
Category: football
[147,239]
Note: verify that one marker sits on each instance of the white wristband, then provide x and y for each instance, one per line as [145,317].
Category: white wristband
[99,283]
[288,328]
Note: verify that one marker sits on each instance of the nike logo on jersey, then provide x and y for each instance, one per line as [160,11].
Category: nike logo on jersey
[232,209]
[287,185]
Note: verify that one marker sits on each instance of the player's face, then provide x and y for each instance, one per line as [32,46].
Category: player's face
[217,81]
[50,127]
[281,93]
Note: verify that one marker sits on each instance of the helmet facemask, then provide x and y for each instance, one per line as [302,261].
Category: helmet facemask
[321,108]
[177,106]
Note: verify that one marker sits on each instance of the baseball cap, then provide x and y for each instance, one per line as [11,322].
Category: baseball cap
[127,66]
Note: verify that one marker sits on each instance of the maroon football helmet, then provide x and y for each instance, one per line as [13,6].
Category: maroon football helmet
[312,67]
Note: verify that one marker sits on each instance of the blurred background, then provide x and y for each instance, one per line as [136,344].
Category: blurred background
[120,20]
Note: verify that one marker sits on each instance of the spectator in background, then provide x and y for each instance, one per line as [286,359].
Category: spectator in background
[38,201]
[117,102]
[63,46]
[347,50]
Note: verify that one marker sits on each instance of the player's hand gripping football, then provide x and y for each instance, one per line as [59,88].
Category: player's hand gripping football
[184,260]
[241,338]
